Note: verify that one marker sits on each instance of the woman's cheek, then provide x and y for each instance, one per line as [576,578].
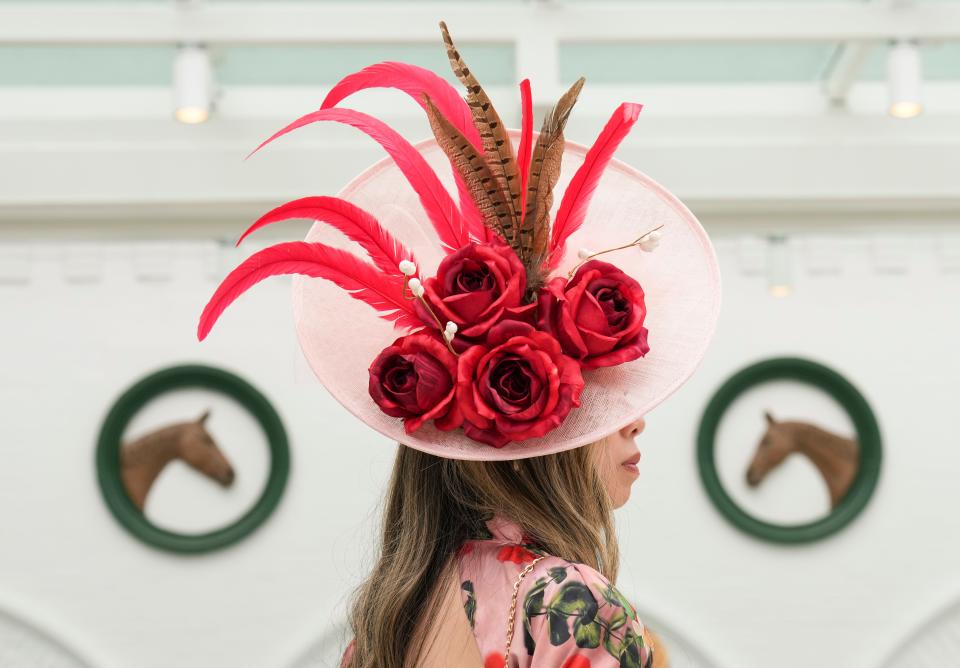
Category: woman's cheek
[618,488]
[616,480]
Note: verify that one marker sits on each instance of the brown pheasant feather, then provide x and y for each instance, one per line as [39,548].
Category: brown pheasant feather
[472,167]
[534,238]
[496,141]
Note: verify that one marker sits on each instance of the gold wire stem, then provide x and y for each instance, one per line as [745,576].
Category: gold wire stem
[406,289]
[426,305]
[610,250]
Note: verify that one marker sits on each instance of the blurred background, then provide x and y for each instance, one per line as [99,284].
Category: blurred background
[817,142]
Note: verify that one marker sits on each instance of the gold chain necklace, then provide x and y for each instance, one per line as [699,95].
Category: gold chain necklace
[513,608]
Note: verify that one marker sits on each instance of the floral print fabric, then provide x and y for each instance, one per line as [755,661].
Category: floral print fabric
[568,614]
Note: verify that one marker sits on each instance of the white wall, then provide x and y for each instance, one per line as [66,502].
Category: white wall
[68,349]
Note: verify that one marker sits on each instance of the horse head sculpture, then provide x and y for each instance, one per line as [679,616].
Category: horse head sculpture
[143,459]
[198,449]
[836,458]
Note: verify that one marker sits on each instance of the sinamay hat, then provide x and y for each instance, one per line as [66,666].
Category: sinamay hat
[556,297]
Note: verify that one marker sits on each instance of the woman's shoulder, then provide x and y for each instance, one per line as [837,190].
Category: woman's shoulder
[573,610]
[568,613]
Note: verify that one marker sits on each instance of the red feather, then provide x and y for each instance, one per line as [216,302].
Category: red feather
[526,139]
[576,198]
[436,201]
[360,279]
[382,247]
[414,81]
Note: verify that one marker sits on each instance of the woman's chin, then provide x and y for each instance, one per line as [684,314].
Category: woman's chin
[624,485]
[620,496]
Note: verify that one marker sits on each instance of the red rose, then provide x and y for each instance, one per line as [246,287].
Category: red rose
[476,287]
[519,385]
[415,379]
[516,554]
[597,316]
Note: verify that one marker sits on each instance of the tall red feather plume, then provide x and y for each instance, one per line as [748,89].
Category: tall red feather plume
[526,140]
[414,81]
[576,198]
[360,279]
[436,201]
[383,248]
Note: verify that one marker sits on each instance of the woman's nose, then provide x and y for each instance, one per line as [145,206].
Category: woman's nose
[634,428]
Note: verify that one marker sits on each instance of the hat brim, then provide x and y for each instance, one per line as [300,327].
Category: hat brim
[341,336]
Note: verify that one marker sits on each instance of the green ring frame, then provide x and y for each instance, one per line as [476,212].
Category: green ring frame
[175,378]
[838,387]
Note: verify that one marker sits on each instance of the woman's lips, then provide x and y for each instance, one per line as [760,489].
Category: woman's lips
[631,464]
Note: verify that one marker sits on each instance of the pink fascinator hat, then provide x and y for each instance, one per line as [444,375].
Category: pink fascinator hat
[491,294]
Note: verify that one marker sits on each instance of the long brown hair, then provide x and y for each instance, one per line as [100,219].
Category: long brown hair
[433,504]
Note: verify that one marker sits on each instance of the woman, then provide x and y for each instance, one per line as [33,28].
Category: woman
[445,576]
[521,377]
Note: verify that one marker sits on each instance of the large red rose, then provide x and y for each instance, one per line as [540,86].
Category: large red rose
[476,287]
[597,316]
[518,385]
[415,379]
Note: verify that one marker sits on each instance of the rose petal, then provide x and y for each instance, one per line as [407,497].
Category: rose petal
[452,419]
[488,436]
[598,344]
[571,376]
[470,306]
[547,343]
[503,331]
[465,398]
[433,382]
[520,431]
[482,405]
[590,315]
[569,335]
[430,343]
[375,386]
[524,313]
[624,353]
[446,415]
[617,308]
[466,274]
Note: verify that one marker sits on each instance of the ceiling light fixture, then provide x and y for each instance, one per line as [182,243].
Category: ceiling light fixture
[778,266]
[192,84]
[904,76]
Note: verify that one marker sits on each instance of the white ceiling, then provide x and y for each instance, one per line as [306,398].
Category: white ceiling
[747,106]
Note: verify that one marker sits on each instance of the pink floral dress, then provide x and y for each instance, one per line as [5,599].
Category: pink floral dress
[568,614]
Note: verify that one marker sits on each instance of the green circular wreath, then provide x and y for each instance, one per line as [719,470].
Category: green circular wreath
[176,378]
[838,387]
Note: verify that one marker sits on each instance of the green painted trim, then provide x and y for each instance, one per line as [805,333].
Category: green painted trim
[838,387]
[176,378]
